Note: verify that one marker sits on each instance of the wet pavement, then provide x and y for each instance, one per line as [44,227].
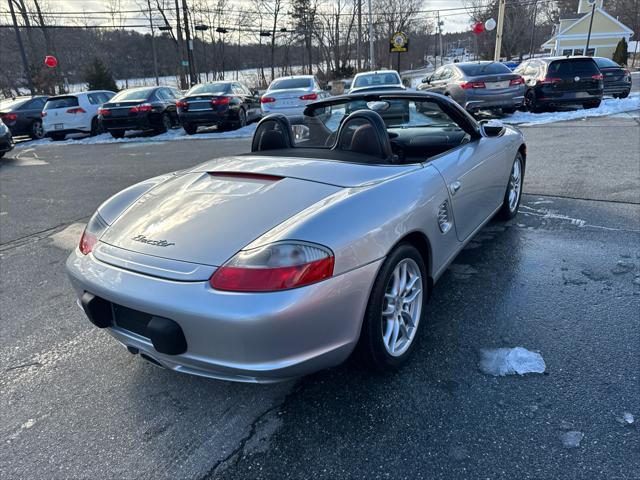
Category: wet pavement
[561,280]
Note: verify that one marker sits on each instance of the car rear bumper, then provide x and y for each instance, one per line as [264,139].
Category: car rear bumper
[6,143]
[206,117]
[567,98]
[263,337]
[505,100]
[287,111]
[127,123]
[615,88]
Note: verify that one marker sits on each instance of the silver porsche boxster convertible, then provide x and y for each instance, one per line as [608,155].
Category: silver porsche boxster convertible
[327,238]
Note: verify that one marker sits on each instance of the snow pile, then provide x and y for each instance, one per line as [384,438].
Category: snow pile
[137,137]
[509,361]
[609,106]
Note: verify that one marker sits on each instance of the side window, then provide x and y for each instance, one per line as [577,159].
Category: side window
[106,96]
[520,69]
[566,52]
[94,98]
[438,74]
[162,94]
[447,73]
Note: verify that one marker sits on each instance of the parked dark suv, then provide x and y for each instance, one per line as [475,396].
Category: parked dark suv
[146,108]
[555,81]
[22,115]
[617,79]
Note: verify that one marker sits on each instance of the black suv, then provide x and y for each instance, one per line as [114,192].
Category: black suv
[551,82]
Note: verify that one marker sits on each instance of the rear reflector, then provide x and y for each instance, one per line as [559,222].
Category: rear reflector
[469,85]
[77,110]
[517,81]
[145,107]
[104,111]
[267,100]
[597,76]
[221,101]
[247,176]
[182,104]
[309,96]
[549,80]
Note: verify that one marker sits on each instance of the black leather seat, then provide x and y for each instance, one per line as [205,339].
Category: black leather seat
[365,132]
[273,133]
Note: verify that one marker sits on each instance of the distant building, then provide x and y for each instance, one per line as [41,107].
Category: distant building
[570,35]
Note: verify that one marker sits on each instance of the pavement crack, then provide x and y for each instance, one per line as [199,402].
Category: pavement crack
[24,365]
[39,235]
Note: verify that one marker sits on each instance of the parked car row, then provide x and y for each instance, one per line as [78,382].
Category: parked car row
[537,84]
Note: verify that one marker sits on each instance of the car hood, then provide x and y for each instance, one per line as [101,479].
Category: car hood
[208,214]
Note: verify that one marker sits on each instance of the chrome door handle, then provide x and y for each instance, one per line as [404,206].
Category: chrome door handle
[454,187]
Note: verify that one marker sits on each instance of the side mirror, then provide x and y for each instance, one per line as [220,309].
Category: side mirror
[426,79]
[492,128]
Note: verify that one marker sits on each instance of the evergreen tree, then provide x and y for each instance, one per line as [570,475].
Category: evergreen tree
[99,77]
[620,55]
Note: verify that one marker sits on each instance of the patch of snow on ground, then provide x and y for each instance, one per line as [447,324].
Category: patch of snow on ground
[509,361]
[137,137]
[571,439]
[609,106]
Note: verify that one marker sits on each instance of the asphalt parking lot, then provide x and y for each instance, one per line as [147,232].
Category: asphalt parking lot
[562,278]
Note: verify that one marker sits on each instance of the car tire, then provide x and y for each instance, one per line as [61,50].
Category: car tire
[117,133]
[37,132]
[56,137]
[513,194]
[96,127]
[242,120]
[190,129]
[165,124]
[624,94]
[594,104]
[532,103]
[384,321]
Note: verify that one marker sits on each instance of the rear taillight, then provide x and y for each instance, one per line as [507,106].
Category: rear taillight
[144,107]
[278,266]
[104,111]
[549,80]
[76,110]
[597,76]
[182,104]
[9,117]
[43,114]
[309,96]
[267,100]
[517,81]
[469,85]
[92,233]
[221,101]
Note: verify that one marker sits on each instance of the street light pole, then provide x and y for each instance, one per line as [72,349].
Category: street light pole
[153,44]
[359,39]
[533,27]
[496,53]
[372,61]
[593,10]
[25,63]
[187,34]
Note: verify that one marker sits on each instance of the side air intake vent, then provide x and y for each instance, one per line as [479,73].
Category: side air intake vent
[443,217]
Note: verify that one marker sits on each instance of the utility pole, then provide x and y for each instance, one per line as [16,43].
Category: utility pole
[593,10]
[496,54]
[153,44]
[440,23]
[533,27]
[25,63]
[359,39]
[192,68]
[372,60]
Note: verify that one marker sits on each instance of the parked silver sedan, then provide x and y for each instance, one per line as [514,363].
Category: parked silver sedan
[478,85]
[327,238]
[290,95]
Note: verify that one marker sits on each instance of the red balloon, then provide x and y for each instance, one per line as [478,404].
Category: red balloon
[50,61]
[477,28]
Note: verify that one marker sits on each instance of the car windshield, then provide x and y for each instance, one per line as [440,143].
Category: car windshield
[570,67]
[606,63]
[61,102]
[477,69]
[209,89]
[374,79]
[287,83]
[11,104]
[319,125]
[138,94]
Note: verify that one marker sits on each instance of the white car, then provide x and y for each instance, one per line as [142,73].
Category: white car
[378,79]
[290,95]
[73,113]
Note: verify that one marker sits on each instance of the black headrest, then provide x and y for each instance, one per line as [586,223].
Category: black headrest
[273,133]
[364,131]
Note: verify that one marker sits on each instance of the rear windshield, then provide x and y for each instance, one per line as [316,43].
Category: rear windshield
[605,62]
[286,83]
[132,95]
[474,70]
[209,88]
[570,67]
[12,104]
[61,102]
[374,79]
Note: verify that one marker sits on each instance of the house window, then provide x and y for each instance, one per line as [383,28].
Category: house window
[591,52]
[566,52]
[578,51]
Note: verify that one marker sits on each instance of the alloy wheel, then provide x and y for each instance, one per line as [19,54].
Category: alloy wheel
[37,130]
[515,184]
[402,307]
